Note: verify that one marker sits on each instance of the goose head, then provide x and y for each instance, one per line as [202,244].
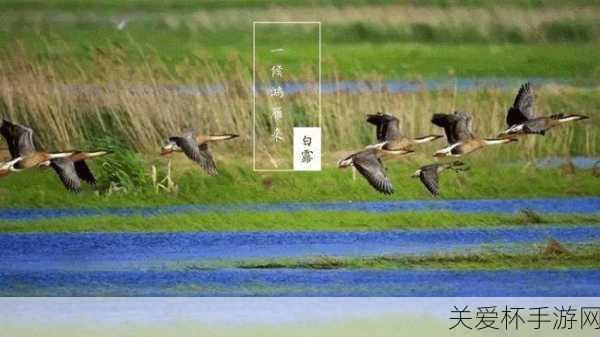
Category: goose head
[169,148]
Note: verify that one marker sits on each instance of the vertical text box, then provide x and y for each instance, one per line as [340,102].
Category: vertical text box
[286,89]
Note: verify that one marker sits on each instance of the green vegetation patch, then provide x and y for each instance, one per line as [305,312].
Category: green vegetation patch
[161,5]
[290,221]
[237,183]
[582,257]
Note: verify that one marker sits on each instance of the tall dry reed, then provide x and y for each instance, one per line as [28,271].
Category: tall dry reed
[143,103]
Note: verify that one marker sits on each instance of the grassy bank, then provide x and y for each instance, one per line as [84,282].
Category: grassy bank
[580,257]
[238,184]
[296,221]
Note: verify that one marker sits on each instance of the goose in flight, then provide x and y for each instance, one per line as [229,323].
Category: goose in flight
[70,166]
[461,140]
[521,118]
[369,165]
[22,149]
[429,174]
[73,169]
[195,147]
[390,137]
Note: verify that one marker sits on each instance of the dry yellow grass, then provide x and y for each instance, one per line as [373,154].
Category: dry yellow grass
[135,104]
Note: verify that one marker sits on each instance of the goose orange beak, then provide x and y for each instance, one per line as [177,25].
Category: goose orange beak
[165,152]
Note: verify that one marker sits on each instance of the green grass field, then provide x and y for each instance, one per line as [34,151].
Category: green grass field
[239,184]
[299,221]
[520,39]
[216,4]
[174,52]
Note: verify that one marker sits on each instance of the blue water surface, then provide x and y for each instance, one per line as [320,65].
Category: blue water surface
[587,205]
[348,86]
[155,264]
[298,282]
[141,251]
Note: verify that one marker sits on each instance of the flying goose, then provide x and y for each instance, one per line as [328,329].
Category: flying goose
[390,137]
[69,165]
[195,147]
[369,165]
[73,169]
[429,174]
[458,130]
[20,145]
[521,119]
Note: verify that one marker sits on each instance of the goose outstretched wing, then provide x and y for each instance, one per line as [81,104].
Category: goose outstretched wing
[463,128]
[371,167]
[18,137]
[65,169]
[430,179]
[196,152]
[387,126]
[206,160]
[84,173]
[522,109]
[457,126]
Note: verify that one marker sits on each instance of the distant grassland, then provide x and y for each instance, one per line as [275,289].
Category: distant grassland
[216,4]
[177,35]
[216,35]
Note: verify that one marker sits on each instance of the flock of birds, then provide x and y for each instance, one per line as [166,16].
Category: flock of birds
[72,169]
[458,128]
[71,166]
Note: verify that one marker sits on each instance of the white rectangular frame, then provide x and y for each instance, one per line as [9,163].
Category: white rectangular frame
[254,23]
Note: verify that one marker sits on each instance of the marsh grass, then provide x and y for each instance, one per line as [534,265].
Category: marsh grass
[237,183]
[123,170]
[531,257]
[139,105]
[530,216]
[586,258]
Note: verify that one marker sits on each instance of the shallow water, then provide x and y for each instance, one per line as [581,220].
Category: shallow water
[140,251]
[587,205]
[349,86]
[155,264]
[580,162]
[298,282]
